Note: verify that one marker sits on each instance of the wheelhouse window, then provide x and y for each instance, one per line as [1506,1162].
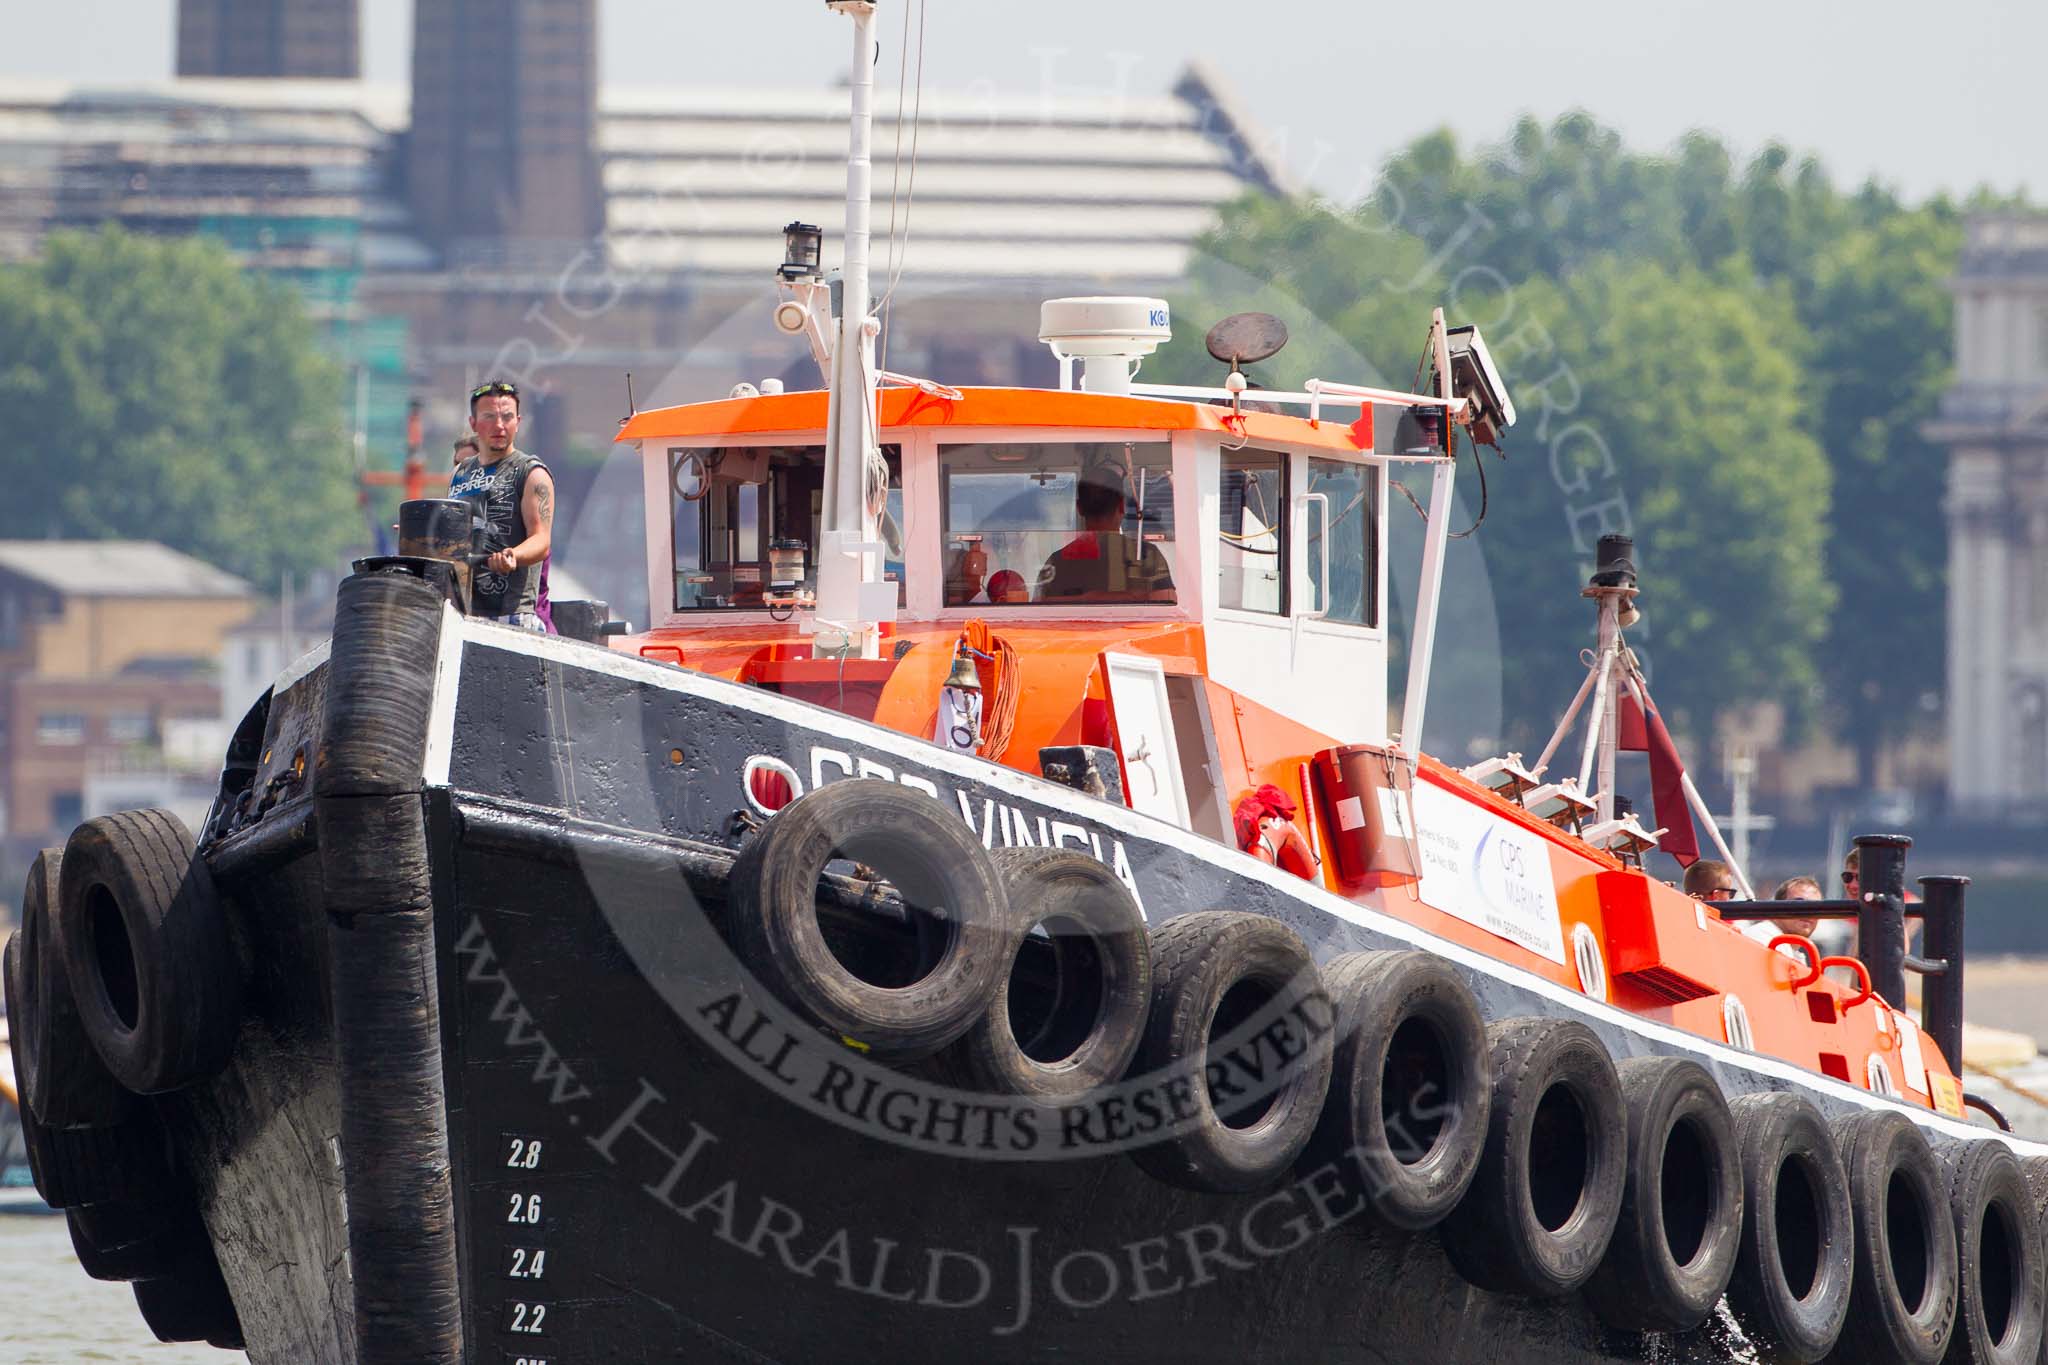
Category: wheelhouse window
[1252,521]
[1354,531]
[746,525]
[1057,524]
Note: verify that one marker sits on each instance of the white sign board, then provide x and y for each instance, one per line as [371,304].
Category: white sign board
[1487,871]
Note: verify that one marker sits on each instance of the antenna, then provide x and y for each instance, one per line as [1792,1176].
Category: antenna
[631,409]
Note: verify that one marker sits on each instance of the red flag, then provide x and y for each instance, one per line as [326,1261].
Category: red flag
[1361,430]
[1642,733]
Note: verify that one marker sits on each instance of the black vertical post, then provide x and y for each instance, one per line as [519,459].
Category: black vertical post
[1881,927]
[1942,912]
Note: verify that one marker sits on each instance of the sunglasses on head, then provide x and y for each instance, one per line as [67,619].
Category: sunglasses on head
[494,388]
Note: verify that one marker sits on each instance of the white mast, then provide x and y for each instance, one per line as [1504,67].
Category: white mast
[852,598]
[1436,539]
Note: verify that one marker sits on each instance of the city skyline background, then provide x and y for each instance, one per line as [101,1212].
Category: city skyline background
[1924,108]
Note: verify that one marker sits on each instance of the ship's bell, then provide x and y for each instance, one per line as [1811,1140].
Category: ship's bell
[964,674]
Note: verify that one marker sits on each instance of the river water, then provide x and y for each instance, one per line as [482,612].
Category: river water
[52,1313]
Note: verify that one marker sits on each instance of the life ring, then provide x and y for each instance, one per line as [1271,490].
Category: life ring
[72,1166]
[62,1077]
[1790,1290]
[1902,1304]
[1409,1088]
[1293,854]
[1263,821]
[191,1304]
[902,992]
[1543,1206]
[146,946]
[1069,1010]
[1999,1251]
[1228,984]
[1680,1228]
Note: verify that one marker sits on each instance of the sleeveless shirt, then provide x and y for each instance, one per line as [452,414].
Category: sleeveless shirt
[498,489]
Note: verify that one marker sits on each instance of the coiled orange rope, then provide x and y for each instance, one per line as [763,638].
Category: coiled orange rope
[999,715]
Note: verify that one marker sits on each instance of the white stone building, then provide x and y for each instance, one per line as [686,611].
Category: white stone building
[1995,422]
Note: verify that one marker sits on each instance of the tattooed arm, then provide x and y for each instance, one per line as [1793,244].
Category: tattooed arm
[537,513]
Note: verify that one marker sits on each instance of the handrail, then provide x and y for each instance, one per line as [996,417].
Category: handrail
[1813,957]
[1854,964]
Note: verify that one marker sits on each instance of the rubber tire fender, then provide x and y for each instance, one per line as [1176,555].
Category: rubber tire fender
[1095,943]
[61,1075]
[191,1303]
[1410,1055]
[135,1239]
[2034,1169]
[1200,962]
[1880,1147]
[1641,1284]
[1774,1131]
[84,1165]
[1498,1238]
[1985,1181]
[146,945]
[937,867]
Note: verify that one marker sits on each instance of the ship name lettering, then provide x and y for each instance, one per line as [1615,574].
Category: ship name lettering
[992,822]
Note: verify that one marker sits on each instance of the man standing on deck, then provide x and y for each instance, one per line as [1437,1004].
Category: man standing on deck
[516,496]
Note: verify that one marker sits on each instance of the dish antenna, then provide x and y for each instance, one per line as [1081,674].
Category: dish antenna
[1243,339]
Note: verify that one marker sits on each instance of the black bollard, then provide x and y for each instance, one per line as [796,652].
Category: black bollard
[1942,913]
[1881,928]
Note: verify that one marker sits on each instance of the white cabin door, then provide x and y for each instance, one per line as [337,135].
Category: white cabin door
[1145,737]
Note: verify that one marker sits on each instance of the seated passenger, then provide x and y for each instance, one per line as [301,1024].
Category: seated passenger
[1797,889]
[1103,564]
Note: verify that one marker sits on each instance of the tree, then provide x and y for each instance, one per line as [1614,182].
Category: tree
[157,391]
[1662,400]
[1687,434]
[1883,349]
[1852,284]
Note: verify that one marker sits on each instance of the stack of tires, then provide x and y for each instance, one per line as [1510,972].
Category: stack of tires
[1546,1168]
[122,984]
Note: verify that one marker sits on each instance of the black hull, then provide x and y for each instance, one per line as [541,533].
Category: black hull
[647,1160]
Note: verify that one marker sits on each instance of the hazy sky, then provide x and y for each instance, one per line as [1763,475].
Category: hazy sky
[1926,97]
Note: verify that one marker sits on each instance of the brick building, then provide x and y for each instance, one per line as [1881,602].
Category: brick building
[270,38]
[108,664]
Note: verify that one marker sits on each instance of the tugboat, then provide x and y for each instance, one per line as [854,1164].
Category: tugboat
[988,916]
